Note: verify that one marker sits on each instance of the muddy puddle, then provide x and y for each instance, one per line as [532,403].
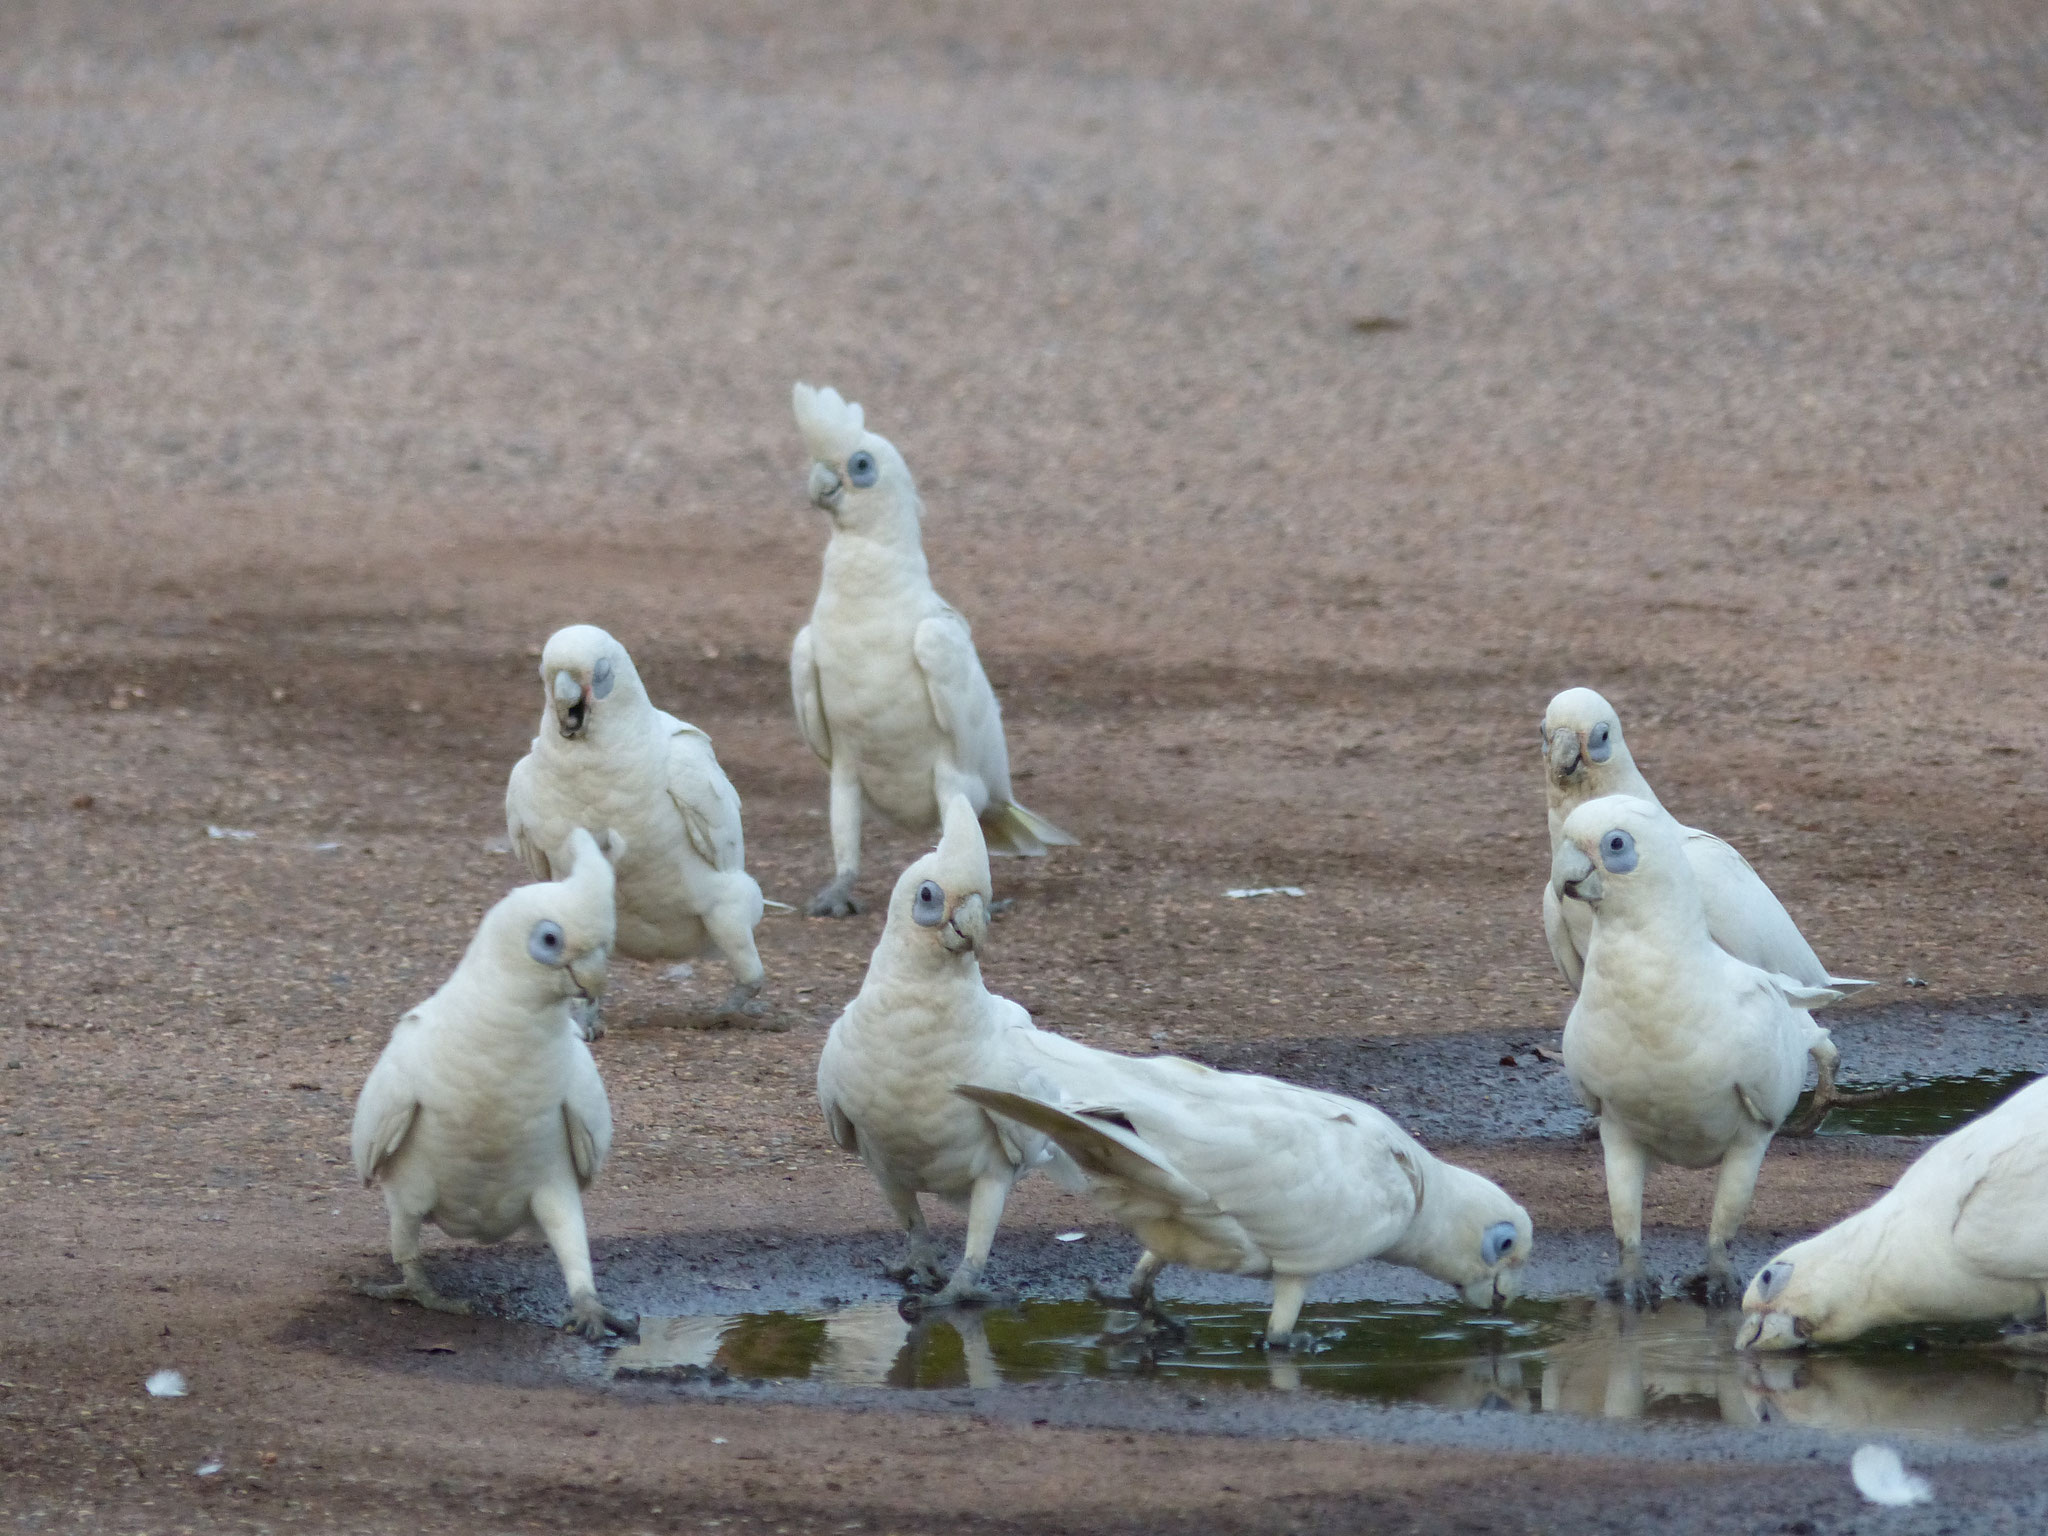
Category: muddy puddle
[1921,1106]
[1576,1358]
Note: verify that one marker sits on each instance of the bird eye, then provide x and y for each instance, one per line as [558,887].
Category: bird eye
[1771,1280]
[1498,1242]
[929,907]
[601,678]
[1618,852]
[860,469]
[1600,743]
[547,944]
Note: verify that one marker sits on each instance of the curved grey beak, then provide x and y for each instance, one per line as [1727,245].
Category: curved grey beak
[590,973]
[572,704]
[1574,875]
[966,928]
[1564,753]
[825,487]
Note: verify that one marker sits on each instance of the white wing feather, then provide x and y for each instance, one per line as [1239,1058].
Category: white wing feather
[519,817]
[962,701]
[809,700]
[709,804]
[587,1115]
[389,1101]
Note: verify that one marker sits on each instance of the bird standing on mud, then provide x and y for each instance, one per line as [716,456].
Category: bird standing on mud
[485,1114]
[1687,1055]
[606,757]
[1585,758]
[889,691]
[922,1023]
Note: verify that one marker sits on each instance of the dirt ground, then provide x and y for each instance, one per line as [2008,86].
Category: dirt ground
[1302,393]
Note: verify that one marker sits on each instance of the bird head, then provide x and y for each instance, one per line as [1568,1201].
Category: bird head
[942,900]
[1796,1300]
[553,940]
[1583,752]
[1622,851]
[1476,1238]
[586,674]
[857,477]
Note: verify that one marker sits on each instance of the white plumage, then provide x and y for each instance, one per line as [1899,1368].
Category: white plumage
[921,1023]
[485,1114]
[1881,1477]
[1962,1236]
[1585,758]
[1246,1175]
[888,689]
[606,757]
[1687,1054]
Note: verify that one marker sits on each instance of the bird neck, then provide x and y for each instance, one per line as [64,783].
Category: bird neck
[1433,1230]
[877,558]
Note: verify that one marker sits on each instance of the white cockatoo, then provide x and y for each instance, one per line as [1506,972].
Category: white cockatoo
[1962,1236]
[921,1023]
[1686,1054]
[889,691]
[1246,1175]
[606,757]
[485,1114]
[1585,758]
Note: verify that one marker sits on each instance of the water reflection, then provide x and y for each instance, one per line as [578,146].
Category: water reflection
[1578,1357]
[1922,1106]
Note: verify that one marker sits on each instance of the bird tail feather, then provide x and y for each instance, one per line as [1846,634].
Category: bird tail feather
[1014,832]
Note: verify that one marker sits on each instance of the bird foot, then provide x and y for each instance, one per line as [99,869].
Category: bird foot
[588,1017]
[1633,1288]
[1297,1343]
[1808,1120]
[835,900]
[956,1294]
[917,1272]
[742,1008]
[593,1320]
[414,1287]
[1152,1319]
[1712,1287]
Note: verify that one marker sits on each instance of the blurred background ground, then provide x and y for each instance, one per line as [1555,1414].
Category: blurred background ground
[1301,394]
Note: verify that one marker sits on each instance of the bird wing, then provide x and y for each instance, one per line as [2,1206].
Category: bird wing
[1743,915]
[1998,1223]
[810,701]
[710,806]
[389,1102]
[1571,964]
[844,1136]
[962,701]
[587,1115]
[1318,1181]
[1099,1138]
[519,818]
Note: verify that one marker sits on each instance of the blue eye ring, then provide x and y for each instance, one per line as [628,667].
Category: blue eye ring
[861,469]
[1600,743]
[548,944]
[601,678]
[1617,851]
[1498,1242]
[928,906]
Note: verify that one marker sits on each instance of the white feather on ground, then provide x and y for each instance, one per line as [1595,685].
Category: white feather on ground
[1586,758]
[605,757]
[1688,1055]
[888,688]
[1960,1237]
[485,1114]
[1881,1477]
[922,1022]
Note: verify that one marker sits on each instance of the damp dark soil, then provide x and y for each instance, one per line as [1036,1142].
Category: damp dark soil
[1300,396]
